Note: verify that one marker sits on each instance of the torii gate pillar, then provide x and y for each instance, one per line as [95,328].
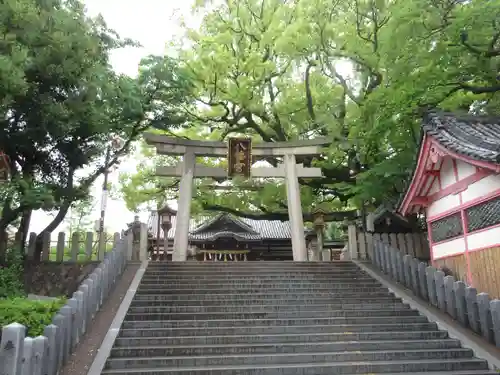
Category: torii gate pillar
[295,209]
[184,208]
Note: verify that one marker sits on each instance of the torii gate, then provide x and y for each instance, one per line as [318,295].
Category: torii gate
[187,170]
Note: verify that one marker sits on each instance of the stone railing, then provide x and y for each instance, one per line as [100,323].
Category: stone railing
[462,302]
[45,355]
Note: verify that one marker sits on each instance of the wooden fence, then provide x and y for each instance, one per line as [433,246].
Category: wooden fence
[413,244]
[463,303]
[78,248]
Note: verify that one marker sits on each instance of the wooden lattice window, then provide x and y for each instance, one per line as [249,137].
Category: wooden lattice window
[483,215]
[447,228]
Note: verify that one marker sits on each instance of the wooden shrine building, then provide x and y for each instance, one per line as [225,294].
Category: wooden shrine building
[224,237]
[456,184]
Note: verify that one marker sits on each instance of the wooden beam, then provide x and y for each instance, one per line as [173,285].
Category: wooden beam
[215,172]
[432,172]
[420,201]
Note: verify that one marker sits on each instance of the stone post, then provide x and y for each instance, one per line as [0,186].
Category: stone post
[184,208]
[319,227]
[137,239]
[370,222]
[143,242]
[294,209]
[165,226]
[353,242]
[313,249]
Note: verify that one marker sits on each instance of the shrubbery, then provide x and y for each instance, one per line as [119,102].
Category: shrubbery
[11,275]
[35,315]
[14,307]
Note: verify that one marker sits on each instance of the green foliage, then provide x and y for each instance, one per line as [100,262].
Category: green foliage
[35,315]
[11,275]
[62,102]
[79,217]
[359,72]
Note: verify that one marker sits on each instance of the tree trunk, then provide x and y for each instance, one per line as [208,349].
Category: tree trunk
[23,230]
[50,228]
[3,247]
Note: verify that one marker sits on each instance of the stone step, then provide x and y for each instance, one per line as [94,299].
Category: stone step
[288,318]
[282,347]
[273,322]
[256,288]
[261,308]
[249,282]
[288,358]
[458,366]
[280,273]
[257,264]
[132,337]
[389,310]
[259,330]
[233,297]
[307,300]
[218,277]
[271,289]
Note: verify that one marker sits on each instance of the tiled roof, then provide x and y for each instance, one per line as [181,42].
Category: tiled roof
[265,229]
[240,224]
[477,137]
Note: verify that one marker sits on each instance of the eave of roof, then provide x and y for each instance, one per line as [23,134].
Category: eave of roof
[223,216]
[445,134]
[212,236]
[473,137]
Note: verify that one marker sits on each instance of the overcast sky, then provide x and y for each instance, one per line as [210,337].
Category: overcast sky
[153,23]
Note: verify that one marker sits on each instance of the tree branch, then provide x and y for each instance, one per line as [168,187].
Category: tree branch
[281,216]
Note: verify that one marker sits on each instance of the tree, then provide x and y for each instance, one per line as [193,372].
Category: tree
[442,54]
[359,71]
[253,73]
[63,102]
[79,217]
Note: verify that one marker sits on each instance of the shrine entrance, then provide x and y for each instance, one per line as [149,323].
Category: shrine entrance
[241,155]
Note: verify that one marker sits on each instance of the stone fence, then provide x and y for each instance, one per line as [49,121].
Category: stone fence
[45,355]
[78,247]
[414,244]
[463,303]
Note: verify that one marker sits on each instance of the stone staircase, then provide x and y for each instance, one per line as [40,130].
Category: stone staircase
[267,318]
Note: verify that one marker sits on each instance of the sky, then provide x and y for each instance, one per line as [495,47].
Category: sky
[153,23]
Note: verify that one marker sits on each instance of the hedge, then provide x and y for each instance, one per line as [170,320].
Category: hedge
[34,314]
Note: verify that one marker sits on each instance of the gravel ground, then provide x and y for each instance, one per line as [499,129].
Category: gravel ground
[81,360]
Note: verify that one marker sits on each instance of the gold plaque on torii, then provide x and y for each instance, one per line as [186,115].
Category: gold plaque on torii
[239,157]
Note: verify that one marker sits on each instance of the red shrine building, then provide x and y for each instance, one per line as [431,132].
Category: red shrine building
[456,184]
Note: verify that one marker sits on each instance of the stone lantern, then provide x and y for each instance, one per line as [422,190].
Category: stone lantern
[165,215]
[319,227]
[135,228]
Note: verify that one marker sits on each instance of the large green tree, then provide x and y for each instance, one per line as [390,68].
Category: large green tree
[63,103]
[357,71]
